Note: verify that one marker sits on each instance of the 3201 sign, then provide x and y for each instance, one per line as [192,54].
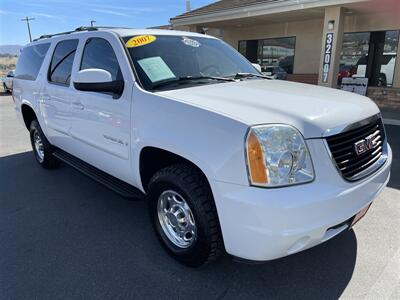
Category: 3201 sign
[327,57]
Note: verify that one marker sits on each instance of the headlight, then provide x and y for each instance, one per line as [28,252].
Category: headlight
[277,155]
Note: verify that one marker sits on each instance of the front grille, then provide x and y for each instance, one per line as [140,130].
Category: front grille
[343,149]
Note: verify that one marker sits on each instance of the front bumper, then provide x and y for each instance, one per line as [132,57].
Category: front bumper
[264,224]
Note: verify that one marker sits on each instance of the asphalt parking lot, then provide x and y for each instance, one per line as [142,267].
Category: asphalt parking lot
[64,236]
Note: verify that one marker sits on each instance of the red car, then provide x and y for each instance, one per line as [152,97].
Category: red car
[346,71]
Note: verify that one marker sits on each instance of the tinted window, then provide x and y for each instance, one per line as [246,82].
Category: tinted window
[277,52]
[99,54]
[30,61]
[61,63]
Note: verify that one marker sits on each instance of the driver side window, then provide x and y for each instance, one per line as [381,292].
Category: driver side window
[99,54]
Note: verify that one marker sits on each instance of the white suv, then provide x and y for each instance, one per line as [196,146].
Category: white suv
[227,159]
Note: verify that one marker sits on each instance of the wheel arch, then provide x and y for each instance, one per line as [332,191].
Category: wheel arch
[152,159]
[28,114]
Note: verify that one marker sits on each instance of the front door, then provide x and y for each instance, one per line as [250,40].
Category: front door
[101,124]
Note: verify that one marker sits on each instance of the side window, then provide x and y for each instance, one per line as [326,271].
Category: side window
[61,63]
[98,54]
[30,61]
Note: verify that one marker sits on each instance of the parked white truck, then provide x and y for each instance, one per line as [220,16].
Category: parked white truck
[228,160]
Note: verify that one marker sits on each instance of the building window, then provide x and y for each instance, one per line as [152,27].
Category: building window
[269,53]
[277,53]
[370,55]
[242,48]
[354,52]
[249,49]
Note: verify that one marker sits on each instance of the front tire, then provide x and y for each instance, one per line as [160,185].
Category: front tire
[42,149]
[184,216]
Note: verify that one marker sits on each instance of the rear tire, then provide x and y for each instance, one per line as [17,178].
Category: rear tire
[195,244]
[42,149]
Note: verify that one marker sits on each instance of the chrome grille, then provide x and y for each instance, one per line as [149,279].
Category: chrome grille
[353,163]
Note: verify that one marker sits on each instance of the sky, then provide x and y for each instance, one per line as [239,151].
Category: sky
[52,16]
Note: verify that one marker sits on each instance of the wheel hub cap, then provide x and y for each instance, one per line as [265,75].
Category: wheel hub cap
[176,219]
[38,145]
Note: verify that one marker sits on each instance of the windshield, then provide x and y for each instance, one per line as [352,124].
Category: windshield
[163,59]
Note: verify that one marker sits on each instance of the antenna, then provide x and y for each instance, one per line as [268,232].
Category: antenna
[26,19]
[92,23]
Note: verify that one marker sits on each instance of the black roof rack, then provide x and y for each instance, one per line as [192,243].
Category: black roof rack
[81,28]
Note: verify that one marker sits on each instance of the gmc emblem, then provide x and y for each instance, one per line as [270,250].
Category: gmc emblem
[365,145]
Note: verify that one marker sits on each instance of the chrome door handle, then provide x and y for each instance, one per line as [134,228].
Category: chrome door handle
[78,105]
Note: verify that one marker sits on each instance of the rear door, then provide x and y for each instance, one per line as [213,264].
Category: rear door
[101,122]
[57,95]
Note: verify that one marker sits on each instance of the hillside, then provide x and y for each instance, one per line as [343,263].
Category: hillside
[10,49]
[7,63]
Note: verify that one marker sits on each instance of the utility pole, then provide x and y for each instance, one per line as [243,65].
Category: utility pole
[188,6]
[92,23]
[26,19]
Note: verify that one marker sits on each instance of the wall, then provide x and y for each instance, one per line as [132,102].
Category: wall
[385,97]
[308,40]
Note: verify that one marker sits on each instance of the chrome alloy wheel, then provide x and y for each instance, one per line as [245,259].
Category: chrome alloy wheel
[39,148]
[176,219]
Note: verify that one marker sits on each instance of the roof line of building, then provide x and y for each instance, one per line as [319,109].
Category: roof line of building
[215,6]
[254,9]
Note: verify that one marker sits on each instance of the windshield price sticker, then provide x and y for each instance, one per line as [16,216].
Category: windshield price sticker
[156,69]
[190,42]
[327,57]
[140,40]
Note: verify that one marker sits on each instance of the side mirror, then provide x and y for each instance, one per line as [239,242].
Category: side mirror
[257,67]
[10,75]
[97,80]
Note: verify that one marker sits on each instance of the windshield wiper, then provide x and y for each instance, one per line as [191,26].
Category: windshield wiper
[205,77]
[248,75]
[189,79]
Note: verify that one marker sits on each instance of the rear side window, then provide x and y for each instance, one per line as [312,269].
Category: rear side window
[30,61]
[99,54]
[61,62]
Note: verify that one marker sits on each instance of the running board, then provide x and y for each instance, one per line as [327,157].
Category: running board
[118,186]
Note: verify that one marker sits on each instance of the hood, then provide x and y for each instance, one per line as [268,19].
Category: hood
[311,109]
